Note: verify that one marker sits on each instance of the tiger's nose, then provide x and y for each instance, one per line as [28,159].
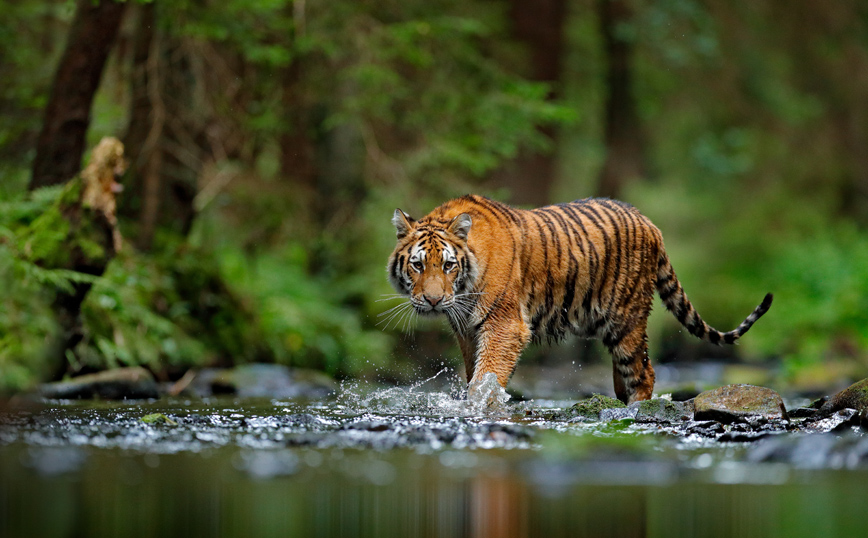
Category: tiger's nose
[433,300]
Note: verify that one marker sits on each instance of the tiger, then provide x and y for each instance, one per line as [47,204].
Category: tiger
[505,277]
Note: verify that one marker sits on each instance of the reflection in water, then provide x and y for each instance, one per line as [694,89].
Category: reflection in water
[230,492]
[408,462]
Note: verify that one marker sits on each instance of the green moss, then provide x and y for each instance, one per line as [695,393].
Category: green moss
[158,418]
[860,387]
[855,397]
[660,410]
[591,407]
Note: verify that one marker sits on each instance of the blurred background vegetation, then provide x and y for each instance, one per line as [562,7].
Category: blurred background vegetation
[270,141]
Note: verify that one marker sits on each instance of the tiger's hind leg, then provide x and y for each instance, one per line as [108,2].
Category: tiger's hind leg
[631,367]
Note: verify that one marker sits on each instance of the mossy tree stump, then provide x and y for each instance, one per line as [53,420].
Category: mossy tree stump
[78,233]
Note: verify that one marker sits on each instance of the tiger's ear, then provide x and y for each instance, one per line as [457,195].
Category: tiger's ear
[460,225]
[403,223]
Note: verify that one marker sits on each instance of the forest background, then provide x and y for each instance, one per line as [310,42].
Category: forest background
[270,141]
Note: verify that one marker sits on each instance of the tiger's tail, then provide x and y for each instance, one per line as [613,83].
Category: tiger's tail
[676,301]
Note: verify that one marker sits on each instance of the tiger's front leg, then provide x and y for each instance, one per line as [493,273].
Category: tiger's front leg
[498,345]
[631,368]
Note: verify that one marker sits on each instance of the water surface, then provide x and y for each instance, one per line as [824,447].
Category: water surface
[409,462]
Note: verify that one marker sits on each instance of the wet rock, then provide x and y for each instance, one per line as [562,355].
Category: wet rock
[802,412]
[118,384]
[742,437]
[663,411]
[739,403]
[618,413]
[513,431]
[819,402]
[853,397]
[367,425]
[705,428]
[266,381]
[590,408]
[841,420]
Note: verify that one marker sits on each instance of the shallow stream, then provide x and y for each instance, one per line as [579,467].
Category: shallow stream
[410,462]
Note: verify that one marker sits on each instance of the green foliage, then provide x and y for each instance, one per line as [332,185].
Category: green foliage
[754,130]
[28,40]
[26,320]
[425,81]
[821,281]
[306,319]
[134,315]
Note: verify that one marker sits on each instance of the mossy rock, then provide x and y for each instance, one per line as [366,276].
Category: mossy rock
[590,408]
[853,397]
[663,411]
[737,403]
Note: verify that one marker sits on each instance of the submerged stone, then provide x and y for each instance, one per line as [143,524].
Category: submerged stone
[853,397]
[739,403]
[118,384]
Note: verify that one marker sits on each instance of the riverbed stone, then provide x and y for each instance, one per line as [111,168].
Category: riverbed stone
[662,411]
[739,403]
[853,397]
[118,384]
[802,412]
[590,408]
[705,428]
[618,413]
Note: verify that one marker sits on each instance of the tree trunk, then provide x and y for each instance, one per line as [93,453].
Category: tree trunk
[625,159]
[539,25]
[142,113]
[67,116]
[297,150]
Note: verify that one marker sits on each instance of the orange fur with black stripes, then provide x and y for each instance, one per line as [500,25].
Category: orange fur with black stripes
[505,276]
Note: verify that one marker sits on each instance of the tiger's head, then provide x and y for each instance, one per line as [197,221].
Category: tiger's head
[432,263]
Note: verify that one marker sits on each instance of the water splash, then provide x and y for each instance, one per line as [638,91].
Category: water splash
[485,397]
